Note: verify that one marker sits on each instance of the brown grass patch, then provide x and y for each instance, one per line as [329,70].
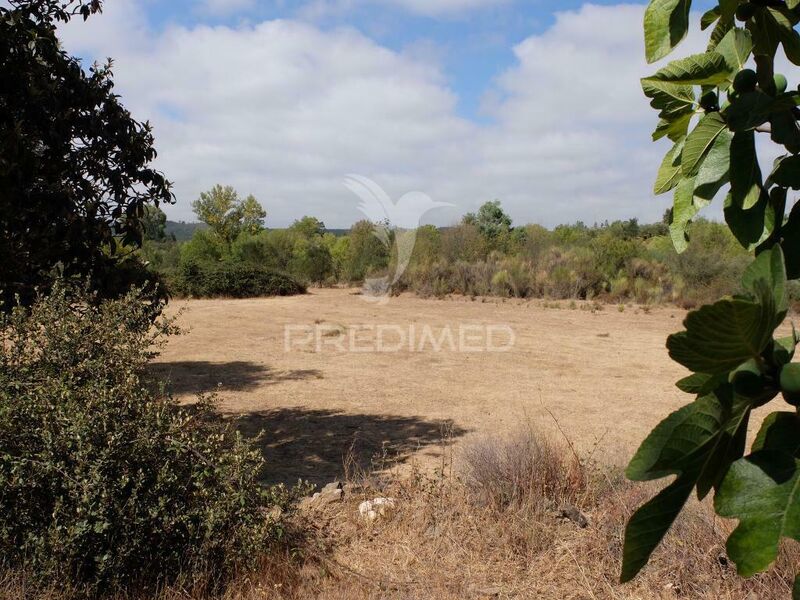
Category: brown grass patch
[489,523]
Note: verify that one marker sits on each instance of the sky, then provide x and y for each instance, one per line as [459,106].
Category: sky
[534,103]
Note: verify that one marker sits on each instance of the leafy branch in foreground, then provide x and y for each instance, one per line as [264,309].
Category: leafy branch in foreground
[711,106]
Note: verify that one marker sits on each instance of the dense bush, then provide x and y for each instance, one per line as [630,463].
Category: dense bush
[104,481]
[233,280]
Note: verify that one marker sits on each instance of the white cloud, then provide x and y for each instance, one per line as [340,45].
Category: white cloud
[284,110]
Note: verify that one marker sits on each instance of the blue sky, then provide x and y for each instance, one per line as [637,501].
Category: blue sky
[531,102]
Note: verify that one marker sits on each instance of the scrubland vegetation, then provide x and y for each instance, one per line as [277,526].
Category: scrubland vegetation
[483,255]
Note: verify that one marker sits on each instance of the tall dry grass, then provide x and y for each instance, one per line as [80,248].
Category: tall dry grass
[490,523]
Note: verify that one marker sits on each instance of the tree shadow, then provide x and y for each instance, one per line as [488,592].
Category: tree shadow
[320,445]
[197,377]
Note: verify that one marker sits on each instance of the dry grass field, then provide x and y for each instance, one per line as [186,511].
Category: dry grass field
[504,467]
[604,376]
[588,381]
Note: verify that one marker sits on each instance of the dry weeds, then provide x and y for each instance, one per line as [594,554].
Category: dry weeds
[451,539]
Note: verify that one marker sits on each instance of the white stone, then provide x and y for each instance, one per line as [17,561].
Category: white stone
[378,507]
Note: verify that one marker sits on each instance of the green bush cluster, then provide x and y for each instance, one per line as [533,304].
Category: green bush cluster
[234,280]
[105,481]
[235,256]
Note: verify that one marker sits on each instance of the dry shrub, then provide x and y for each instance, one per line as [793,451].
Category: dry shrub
[446,542]
[524,469]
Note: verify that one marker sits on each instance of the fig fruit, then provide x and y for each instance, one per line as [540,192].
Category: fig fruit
[745,11]
[780,82]
[745,81]
[790,383]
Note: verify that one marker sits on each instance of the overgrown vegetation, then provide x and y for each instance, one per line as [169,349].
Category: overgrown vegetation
[105,482]
[481,256]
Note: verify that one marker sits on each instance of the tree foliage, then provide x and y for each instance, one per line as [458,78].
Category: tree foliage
[227,215]
[738,364]
[490,219]
[75,166]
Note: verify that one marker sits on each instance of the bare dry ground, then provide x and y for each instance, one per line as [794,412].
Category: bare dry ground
[604,376]
[489,523]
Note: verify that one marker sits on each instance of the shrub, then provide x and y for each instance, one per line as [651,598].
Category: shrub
[501,284]
[233,280]
[366,253]
[312,261]
[105,482]
[204,246]
[525,468]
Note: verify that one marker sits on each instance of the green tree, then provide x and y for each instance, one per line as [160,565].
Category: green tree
[226,215]
[490,220]
[75,166]
[311,261]
[366,254]
[730,347]
[308,227]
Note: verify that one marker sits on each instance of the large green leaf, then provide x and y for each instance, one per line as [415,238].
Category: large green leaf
[785,21]
[751,226]
[721,336]
[786,172]
[701,383]
[666,23]
[736,47]
[785,130]
[675,103]
[708,68]
[709,18]
[683,211]
[727,10]
[762,491]
[769,268]
[791,242]
[700,141]
[669,173]
[714,171]
[749,111]
[772,26]
[692,443]
[674,128]
[745,172]
[765,32]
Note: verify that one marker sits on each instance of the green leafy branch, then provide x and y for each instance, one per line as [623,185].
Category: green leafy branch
[711,106]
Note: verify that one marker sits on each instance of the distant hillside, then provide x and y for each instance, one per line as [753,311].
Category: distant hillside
[338,232]
[182,230]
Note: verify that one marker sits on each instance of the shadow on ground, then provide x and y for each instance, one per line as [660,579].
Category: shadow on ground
[321,445]
[196,377]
